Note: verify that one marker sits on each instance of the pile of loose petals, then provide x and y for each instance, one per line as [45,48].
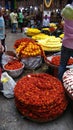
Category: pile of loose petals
[27,47]
[13,65]
[40,97]
[56,60]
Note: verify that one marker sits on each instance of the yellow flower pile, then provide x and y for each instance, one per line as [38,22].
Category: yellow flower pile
[32,31]
[40,36]
[51,43]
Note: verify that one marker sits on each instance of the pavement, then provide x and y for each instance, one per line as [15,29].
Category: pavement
[11,119]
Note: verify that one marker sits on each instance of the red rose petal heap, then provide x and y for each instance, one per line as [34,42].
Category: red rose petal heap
[68,82]
[40,97]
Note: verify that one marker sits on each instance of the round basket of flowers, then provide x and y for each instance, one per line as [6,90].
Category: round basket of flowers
[40,97]
[29,52]
[14,68]
[54,62]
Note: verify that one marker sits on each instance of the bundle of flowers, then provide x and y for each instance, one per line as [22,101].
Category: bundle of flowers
[40,97]
[27,47]
[13,65]
[56,60]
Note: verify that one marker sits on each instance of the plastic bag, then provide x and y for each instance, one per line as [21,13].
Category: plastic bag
[8,85]
[32,62]
[6,58]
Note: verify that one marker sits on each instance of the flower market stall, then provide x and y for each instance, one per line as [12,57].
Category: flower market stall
[49,38]
[38,96]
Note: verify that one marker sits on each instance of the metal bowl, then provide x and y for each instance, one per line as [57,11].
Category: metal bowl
[14,73]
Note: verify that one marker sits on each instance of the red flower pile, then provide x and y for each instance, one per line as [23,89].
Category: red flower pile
[40,97]
[13,65]
[18,42]
[56,60]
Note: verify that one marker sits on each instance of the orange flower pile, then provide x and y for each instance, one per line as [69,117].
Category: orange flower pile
[40,97]
[56,60]
[27,47]
[13,64]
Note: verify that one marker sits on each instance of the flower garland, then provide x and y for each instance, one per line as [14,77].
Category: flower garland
[40,97]
[47,4]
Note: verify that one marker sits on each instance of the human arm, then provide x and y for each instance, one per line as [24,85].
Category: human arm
[1,27]
[1,48]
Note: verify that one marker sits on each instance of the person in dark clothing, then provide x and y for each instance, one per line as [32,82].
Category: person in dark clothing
[20,20]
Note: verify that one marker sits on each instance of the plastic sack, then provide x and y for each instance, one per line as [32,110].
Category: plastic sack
[6,58]
[32,62]
[8,85]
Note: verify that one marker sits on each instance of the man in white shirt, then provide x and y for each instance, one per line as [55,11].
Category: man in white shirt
[46,21]
[14,22]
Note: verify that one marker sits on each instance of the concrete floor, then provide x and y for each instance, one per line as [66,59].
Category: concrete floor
[11,119]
